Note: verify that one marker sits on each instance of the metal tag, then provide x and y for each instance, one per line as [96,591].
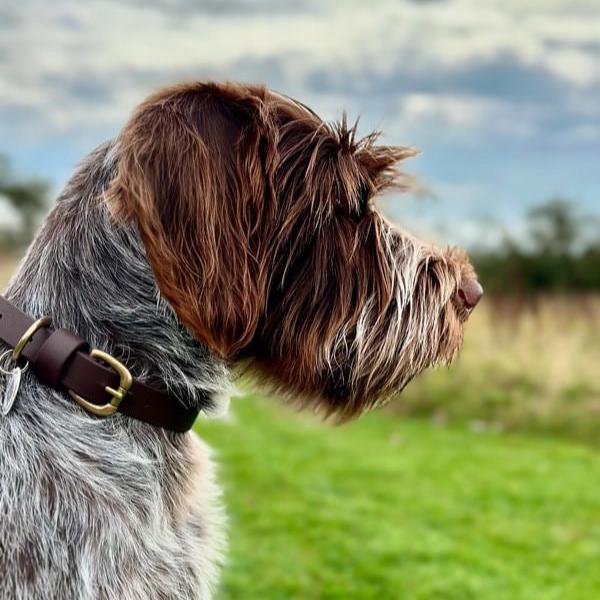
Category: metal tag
[11,389]
[12,377]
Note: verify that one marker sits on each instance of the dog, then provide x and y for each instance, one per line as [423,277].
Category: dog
[226,225]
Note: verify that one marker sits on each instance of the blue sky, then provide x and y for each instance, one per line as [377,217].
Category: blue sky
[502,98]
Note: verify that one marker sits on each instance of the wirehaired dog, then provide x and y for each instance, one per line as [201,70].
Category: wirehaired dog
[227,224]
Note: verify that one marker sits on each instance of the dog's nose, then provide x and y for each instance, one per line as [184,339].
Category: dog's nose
[470,292]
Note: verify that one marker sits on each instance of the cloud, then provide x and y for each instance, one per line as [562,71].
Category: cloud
[9,218]
[348,45]
[224,7]
[67,64]
[466,116]
[450,76]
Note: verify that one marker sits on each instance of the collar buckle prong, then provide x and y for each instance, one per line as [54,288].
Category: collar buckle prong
[125,382]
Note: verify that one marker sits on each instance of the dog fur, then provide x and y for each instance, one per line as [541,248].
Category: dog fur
[226,225]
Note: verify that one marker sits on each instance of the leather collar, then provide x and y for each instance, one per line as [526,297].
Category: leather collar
[61,360]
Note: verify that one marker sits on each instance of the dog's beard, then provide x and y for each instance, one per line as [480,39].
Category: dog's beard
[421,326]
[389,315]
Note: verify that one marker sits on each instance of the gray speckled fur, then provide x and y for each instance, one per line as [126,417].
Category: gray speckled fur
[105,508]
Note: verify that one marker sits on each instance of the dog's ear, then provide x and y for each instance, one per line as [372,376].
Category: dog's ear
[193,172]
[379,165]
[360,168]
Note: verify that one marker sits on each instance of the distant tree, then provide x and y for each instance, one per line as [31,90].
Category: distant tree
[560,252]
[27,196]
[554,227]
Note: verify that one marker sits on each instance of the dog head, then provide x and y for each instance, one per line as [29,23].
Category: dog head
[259,223]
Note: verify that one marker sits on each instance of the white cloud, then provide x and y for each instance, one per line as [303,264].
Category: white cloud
[577,66]
[465,118]
[130,49]
[9,217]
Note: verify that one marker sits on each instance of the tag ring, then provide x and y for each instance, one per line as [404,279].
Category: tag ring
[4,356]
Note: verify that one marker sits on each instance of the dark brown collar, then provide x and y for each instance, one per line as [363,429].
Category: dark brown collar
[61,360]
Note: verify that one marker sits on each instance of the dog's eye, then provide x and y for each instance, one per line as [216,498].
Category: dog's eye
[365,200]
[364,196]
[359,205]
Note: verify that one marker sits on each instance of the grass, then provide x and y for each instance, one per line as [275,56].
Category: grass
[388,508]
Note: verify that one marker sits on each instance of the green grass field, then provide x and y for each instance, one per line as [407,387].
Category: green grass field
[390,508]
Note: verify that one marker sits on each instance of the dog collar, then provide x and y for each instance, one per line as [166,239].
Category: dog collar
[97,381]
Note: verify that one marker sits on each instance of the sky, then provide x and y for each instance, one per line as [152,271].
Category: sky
[502,99]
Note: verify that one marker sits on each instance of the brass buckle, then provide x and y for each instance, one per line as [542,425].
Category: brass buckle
[105,410]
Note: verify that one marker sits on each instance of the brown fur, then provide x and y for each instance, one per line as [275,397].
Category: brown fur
[258,221]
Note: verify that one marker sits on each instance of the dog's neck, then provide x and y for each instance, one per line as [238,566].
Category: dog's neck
[90,275]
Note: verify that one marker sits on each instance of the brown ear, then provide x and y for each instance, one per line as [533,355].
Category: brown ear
[194,173]
[380,163]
